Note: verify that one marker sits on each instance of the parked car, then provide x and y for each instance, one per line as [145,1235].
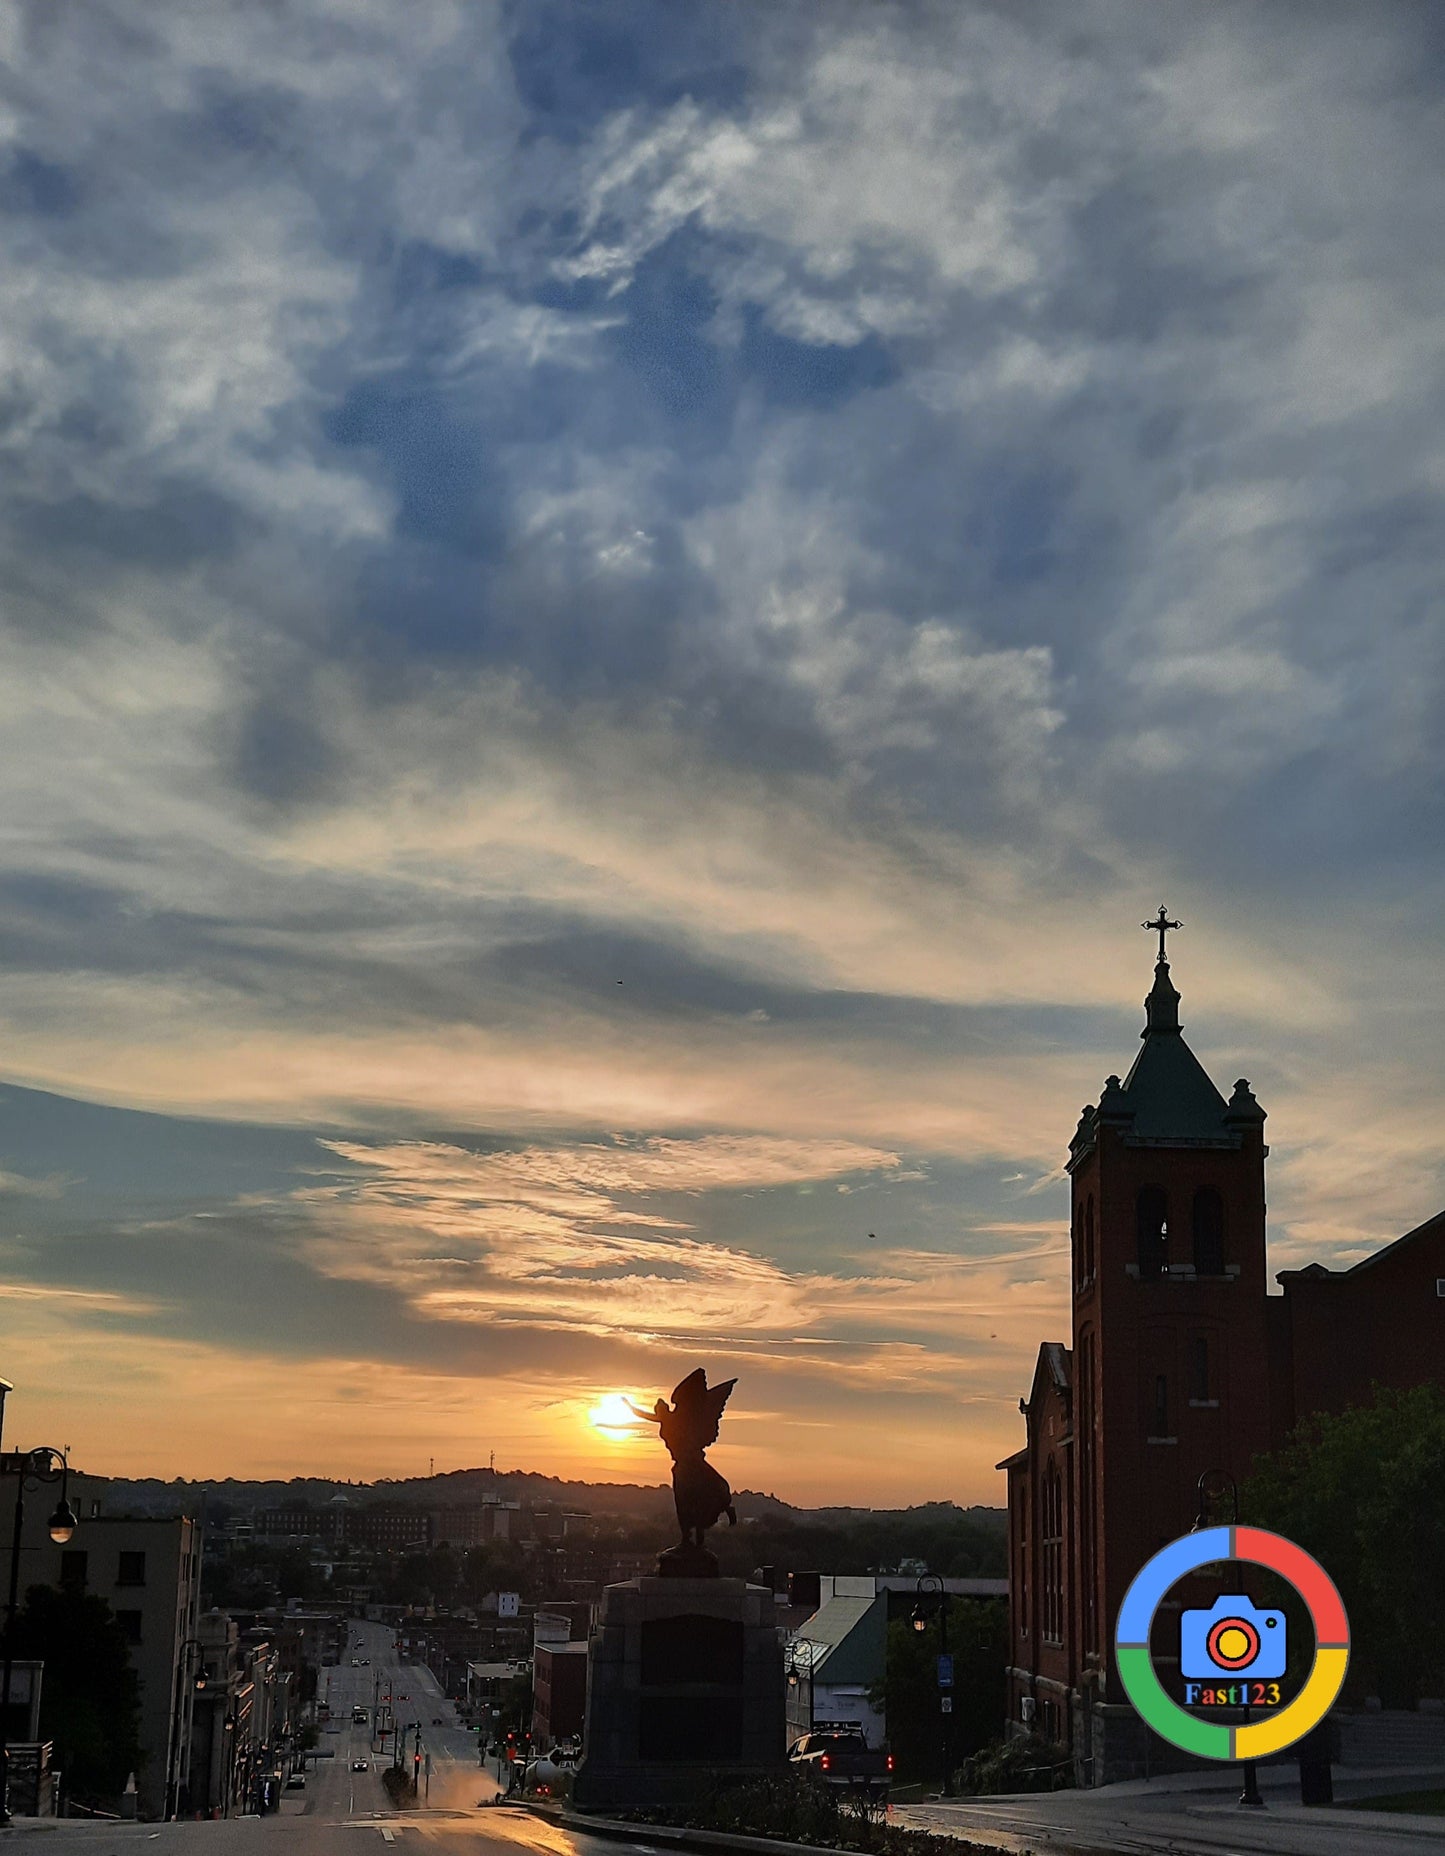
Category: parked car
[842,1757]
[297,1782]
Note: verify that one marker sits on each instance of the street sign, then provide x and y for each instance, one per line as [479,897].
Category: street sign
[945,1703]
[945,1672]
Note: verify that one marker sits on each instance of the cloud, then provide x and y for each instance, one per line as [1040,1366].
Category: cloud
[824,524]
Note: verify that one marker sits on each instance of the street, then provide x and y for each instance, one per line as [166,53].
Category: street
[372,1677]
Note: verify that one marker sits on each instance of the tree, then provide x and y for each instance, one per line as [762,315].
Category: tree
[1364,1492]
[909,1693]
[90,1694]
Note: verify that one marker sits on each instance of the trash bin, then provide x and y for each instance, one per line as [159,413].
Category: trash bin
[1315,1753]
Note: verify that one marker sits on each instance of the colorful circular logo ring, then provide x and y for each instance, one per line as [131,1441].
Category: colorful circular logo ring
[1258,1738]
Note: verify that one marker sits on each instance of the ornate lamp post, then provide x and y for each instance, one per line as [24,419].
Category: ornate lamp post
[932,1597]
[182,1687]
[30,1469]
[800,1670]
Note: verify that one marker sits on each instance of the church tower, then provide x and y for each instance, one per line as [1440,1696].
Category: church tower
[1170,1354]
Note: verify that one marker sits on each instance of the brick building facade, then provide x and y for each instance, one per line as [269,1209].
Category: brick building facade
[1182,1365]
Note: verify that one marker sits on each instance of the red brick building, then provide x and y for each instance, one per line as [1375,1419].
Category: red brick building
[1181,1365]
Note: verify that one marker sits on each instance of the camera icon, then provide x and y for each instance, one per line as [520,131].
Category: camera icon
[1231,1638]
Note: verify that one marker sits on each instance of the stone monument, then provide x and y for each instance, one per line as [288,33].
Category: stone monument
[684,1667]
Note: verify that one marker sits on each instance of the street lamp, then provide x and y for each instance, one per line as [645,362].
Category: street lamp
[800,1667]
[173,1778]
[932,1596]
[29,1468]
[1218,1491]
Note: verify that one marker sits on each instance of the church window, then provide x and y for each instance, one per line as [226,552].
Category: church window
[1152,1213]
[1208,1232]
[1089,1238]
[1199,1367]
[1161,1406]
[1052,1622]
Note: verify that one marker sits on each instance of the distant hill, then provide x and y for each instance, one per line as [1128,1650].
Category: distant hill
[461,1488]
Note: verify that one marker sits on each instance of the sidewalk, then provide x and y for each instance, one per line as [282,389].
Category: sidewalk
[1114,1814]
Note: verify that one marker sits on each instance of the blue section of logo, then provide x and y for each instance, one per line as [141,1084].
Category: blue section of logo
[1168,1565]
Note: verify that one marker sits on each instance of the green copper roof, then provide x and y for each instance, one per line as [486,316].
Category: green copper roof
[1167,1096]
[1168,1091]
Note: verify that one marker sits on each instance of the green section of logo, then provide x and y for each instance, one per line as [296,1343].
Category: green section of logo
[1166,1717]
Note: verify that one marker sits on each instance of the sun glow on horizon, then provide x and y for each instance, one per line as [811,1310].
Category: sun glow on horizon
[614,1417]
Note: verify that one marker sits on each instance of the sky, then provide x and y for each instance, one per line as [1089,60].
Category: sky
[610,619]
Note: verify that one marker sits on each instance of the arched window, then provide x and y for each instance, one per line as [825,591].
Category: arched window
[1024,1560]
[1052,1541]
[1153,1230]
[1089,1238]
[1087,1420]
[1208,1232]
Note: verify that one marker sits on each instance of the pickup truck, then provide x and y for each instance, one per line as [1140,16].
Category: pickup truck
[842,1757]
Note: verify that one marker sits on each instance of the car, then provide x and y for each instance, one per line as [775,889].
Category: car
[361,1765]
[297,1782]
[436,1720]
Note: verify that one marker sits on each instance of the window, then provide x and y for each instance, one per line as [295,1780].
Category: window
[1208,1232]
[1052,1621]
[1024,1561]
[1089,1238]
[129,1622]
[131,1570]
[1086,1488]
[1199,1368]
[1160,1426]
[1152,1215]
[74,1567]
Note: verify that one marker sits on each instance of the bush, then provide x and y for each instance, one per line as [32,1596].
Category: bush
[397,1783]
[1025,1764]
[801,1807]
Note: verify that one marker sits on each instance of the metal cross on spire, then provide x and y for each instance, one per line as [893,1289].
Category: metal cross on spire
[1161,926]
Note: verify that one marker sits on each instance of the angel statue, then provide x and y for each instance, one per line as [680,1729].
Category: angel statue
[701,1495]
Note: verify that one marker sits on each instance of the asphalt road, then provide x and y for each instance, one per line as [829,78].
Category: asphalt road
[371,1676]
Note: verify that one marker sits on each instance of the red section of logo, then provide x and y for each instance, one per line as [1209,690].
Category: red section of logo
[1242,1655]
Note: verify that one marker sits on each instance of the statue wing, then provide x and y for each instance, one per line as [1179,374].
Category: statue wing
[701,1406]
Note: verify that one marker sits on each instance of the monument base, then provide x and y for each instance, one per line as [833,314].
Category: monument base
[684,1686]
[686,1561]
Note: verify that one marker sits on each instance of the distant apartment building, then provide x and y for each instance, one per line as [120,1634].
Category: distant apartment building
[338,1524]
[559,1693]
[475,1526]
[149,1573]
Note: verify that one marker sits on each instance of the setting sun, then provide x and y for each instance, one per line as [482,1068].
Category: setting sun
[614,1417]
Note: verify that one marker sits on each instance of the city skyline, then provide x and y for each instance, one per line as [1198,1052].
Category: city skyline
[613,622]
